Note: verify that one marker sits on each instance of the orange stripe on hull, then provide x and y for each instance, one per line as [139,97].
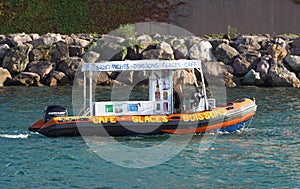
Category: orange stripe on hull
[210,127]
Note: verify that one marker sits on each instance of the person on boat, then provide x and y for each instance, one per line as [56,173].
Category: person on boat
[179,95]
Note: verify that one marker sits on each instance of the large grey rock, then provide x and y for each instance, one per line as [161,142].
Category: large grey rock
[46,40]
[4,76]
[112,39]
[70,66]
[167,50]
[144,41]
[293,62]
[34,36]
[217,74]
[102,78]
[153,54]
[181,52]
[191,40]
[217,42]
[4,48]
[57,79]
[59,51]
[251,77]
[40,53]
[177,42]
[295,51]
[156,36]
[76,50]
[225,53]
[240,65]
[17,58]
[252,56]
[201,51]
[166,47]
[248,43]
[296,43]
[263,67]
[81,42]
[21,38]
[279,76]
[27,79]
[2,39]
[43,68]
[265,43]
[180,49]
[91,57]
[69,40]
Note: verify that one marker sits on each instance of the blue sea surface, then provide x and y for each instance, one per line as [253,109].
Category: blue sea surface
[265,155]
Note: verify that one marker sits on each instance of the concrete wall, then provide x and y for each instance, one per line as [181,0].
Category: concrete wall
[247,16]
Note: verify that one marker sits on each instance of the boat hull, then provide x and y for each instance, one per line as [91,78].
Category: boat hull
[229,117]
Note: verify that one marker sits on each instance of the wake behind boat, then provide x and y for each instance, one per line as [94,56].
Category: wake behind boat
[163,113]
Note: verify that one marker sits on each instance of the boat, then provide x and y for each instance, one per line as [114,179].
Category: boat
[156,115]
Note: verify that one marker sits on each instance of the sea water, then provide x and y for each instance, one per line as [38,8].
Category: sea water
[265,155]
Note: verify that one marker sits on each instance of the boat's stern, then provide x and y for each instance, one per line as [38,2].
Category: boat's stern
[36,126]
[50,112]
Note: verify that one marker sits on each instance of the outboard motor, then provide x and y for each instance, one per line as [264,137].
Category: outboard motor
[52,111]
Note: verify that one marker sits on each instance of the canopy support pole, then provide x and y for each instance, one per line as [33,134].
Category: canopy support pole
[91,93]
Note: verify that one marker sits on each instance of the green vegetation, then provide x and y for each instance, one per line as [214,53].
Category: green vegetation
[231,33]
[77,16]
[125,31]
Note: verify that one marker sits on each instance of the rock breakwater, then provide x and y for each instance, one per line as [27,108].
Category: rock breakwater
[53,59]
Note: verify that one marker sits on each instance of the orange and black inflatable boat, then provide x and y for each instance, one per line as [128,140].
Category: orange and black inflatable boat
[229,117]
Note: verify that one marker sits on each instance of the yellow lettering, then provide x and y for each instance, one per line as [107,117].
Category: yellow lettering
[200,116]
[165,119]
[192,117]
[95,120]
[213,114]
[112,119]
[207,115]
[158,118]
[135,119]
[141,119]
[153,119]
[147,119]
[102,120]
[185,118]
